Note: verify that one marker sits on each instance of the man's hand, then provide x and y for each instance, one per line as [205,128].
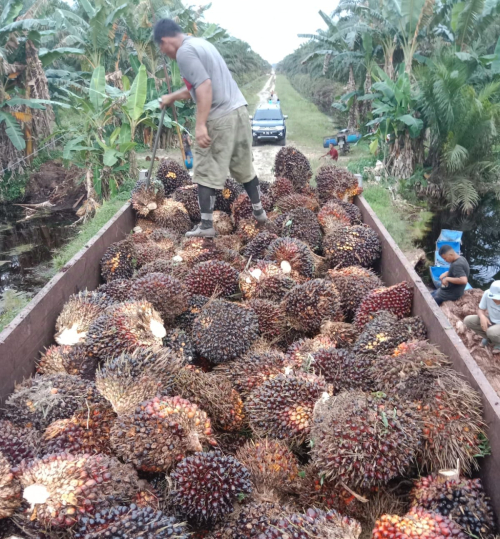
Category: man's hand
[202,137]
[444,282]
[166,100]
[485,323]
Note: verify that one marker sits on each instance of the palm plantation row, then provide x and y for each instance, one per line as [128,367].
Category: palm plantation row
[421,79]
[86,78]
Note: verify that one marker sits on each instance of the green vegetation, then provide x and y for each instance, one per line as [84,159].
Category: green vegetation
[11,303]
[251,89]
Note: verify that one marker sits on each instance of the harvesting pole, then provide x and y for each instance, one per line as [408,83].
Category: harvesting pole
[155,147]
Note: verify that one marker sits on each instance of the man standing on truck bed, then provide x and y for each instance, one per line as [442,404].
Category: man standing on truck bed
[223,132]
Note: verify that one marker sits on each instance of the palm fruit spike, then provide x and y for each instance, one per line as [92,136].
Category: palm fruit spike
[222,223]
[118,261]
[356,245]
[410,370]
[146,199]
[170,267]
[303,225]
[273,468]
[39,401]
[452,425]
[396,299]
[67,359]
[363,440]
[123,328]
[86,432]
[310,304]
[459,499]
[281,187]
[353,284]
[129,379]
[299,353]
[229,442]
[208,484]
[341,334]
[233,258]
[173,215]
[78,314]
[60,487]
[272,320]
[165,293]
[291,255]
[293,165]
[416,524]
[117,291]
[125,522]
[160,432]
[341,368]
[282,407]
[212,278]
[214,394]
[188,196]
[224,331]
[385,332]
[148,252]
[336,182]
[145,226]
[225,197]
[18,443]
[232,242]
[293,201]
[10,490]
[172,175]
[252,370]
[186,319]
[256,247]
[179,342]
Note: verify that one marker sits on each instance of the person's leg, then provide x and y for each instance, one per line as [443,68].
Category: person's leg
[241,163]
[473,323]
[436,297]
[493,334]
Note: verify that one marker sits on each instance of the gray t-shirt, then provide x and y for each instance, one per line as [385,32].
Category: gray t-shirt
[452,292]
[487,304]
[198,61]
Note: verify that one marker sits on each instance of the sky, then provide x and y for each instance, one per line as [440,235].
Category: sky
[269,26]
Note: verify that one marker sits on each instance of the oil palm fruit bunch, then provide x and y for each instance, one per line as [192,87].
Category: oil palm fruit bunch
[340,210]
[223,331]
[117,291]
[308,305]
[341,368]
[452,426]
[118,261]
[40,400]
[416,524]
[332,217]
[212,278]
[10,489]
[61,487]
[293,201]
[166,239]
[179,342]
[336,182]
[281,187]
[222,223]
[172,175]
[160,432]
[131,378]
[241,208]
[299,352]
[18,443]
[207,485]
[188,197]
[67,359]
[144,226]
[291,255]
[362,439]
[460,499]
[257,246]
[282,407]
[225,197]
[78,314]
[294,166]
[148,252]
[186,319]
[167,295]
[341,334]
[146,199]
[232,242]
[170,267]
[214,394]
[172,214]
[123,328]
[274,469]
[252,370]
[256,274]
[385,332]
[396,299]
[87,431]
[303,225]
[272,320]
[195,250]
[356,245]
[353,284]
[127,521]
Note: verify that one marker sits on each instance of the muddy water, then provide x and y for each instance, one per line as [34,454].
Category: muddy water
[27,246]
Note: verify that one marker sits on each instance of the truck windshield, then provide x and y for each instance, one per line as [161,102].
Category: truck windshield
[265,114]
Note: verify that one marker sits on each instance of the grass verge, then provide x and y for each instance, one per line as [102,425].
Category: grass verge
[251,89]
[11,304]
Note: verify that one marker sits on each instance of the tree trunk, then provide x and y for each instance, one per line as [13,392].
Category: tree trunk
[388,60]
[368,90]
[351,87]
[402,158]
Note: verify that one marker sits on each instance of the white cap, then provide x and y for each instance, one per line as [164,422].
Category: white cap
[494,291]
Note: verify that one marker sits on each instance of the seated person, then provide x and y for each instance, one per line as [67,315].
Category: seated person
[487,320]
[333,153]
[454,281]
